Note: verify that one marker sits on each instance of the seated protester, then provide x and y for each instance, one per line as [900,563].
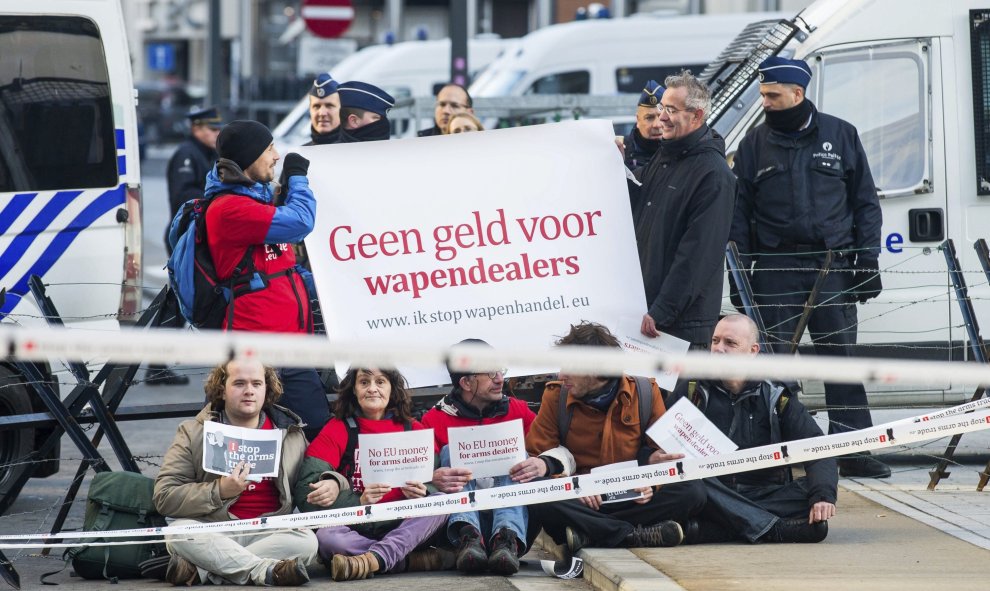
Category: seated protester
[240,393]
[644,139]
[606,427]
[363,113]
[766,505]
[370,401]
[324,111]
[477,399]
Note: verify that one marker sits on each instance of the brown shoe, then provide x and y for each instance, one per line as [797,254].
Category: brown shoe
[431,559]
[353,568]
[287,573]
[181,572]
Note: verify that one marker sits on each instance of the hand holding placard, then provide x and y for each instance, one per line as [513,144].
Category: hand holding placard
[683,428]
[396,458]
[487,450]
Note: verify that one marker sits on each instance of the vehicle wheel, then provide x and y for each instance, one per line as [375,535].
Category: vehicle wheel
[15,445]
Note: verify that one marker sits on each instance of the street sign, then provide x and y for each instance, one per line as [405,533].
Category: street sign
[161,57]
[327,18]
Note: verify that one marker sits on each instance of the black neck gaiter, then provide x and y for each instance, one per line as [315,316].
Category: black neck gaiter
[372,132]
[790,120]
[329,137]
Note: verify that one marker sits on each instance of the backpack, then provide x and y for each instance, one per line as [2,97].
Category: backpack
[644,391]
[118,500]
[204,300]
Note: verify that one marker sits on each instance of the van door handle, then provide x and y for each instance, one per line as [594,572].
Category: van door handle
[926,225]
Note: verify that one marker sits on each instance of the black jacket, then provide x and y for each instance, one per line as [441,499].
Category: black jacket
[639,150]
[429,131]
[186,172]
[682,215]
[764,413]
[812,188]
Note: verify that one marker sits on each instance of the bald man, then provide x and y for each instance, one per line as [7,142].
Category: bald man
[767,505]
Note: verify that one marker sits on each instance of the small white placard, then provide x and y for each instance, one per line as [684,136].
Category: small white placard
[632,340]
[487,450]
[396,458]
[684,429]
[225,446]
[626,495]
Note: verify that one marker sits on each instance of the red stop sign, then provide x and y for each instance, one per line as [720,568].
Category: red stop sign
[327,18]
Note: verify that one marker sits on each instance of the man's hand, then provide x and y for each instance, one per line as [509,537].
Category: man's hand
[323,493]
[821,511]
[660,456]
[528,469]
[593,502]
[294,165]
[647,492]
[451,480]
[414,490]
[649,327]
[374,493]
[620,143]
[236,483]
[866,282]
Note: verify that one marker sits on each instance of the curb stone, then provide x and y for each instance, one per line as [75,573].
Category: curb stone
[614,569]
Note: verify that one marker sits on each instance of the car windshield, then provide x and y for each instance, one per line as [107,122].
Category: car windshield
[496,82]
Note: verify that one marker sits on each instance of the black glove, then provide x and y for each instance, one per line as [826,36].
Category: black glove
[294,165]
[866,281]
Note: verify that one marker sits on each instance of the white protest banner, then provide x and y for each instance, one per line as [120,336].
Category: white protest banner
[685,429]
[627,331]
[225,446]
[396,458]
[487,450]
[509,236]
[625,495]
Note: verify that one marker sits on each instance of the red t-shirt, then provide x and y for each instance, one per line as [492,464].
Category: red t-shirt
[331,444]
[259,497]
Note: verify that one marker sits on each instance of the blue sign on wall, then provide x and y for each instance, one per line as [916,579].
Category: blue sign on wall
[161,57]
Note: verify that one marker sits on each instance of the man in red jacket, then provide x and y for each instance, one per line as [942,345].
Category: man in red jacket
[477,399]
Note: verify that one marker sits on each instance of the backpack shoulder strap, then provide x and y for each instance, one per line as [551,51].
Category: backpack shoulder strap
[644,391]
[563,417]
[347,458]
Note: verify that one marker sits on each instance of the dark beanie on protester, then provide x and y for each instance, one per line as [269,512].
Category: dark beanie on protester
[456,374]
[243,142]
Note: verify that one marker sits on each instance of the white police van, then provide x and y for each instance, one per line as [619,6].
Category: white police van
[913,77]
[70,183]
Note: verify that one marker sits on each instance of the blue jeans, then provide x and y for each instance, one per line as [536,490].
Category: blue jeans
[487,522]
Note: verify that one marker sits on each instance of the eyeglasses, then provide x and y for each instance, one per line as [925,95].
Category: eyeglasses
[494,374]
[453,106]
[671,110]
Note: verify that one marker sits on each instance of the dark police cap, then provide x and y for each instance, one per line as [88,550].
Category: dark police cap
[456,374]
[361,95]
[780,70]
[323,85]
[209,116]
[651,95]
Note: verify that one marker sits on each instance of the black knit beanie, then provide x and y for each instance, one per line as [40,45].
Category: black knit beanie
[456,375]
[243,142]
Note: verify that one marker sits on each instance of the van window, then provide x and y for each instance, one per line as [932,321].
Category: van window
[633,79]
[56,119]
[577,82]
[980,50]
[882,90]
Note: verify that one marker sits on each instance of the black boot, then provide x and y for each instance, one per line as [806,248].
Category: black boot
[159,375]
[796,530]
[707,532]
[665,534]
[862,465]
[575,539]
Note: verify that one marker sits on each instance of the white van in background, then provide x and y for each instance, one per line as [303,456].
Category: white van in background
[404,70]
[610,56]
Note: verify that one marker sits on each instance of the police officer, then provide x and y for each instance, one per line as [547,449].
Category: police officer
[644,139]
[804,189]
[364,112]
[186,178]
[324,111]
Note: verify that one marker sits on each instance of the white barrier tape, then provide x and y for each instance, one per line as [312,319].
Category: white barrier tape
[894,434]
[283,350]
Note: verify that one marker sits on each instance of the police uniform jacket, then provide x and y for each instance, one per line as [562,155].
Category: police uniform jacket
[682,213]
[764,413]
[811,190]
[186,172]
[638,150]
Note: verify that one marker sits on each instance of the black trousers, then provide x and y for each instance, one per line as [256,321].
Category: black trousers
[749,511]
[781,295]
[609,526]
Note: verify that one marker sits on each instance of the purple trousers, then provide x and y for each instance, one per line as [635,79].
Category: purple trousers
[392,548]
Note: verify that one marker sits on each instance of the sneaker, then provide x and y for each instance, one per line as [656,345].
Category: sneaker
[287,573]
[665,534]
[575,539]
[181,572]
[431,559]
[159,375]
[862,465]
[471,555]
[796,531]
[504,557]
[353,568]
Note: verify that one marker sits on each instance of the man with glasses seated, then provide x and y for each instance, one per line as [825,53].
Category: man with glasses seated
[451,100]
[477,399]
[682,213]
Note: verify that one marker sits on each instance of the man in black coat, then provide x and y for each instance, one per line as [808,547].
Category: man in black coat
[805,189]
[451,100]
[767,505]
[644,139]
[682,213]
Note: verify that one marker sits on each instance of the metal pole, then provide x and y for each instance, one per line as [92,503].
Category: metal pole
[619,8]
[459,43]
[214,51]
[395,19]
